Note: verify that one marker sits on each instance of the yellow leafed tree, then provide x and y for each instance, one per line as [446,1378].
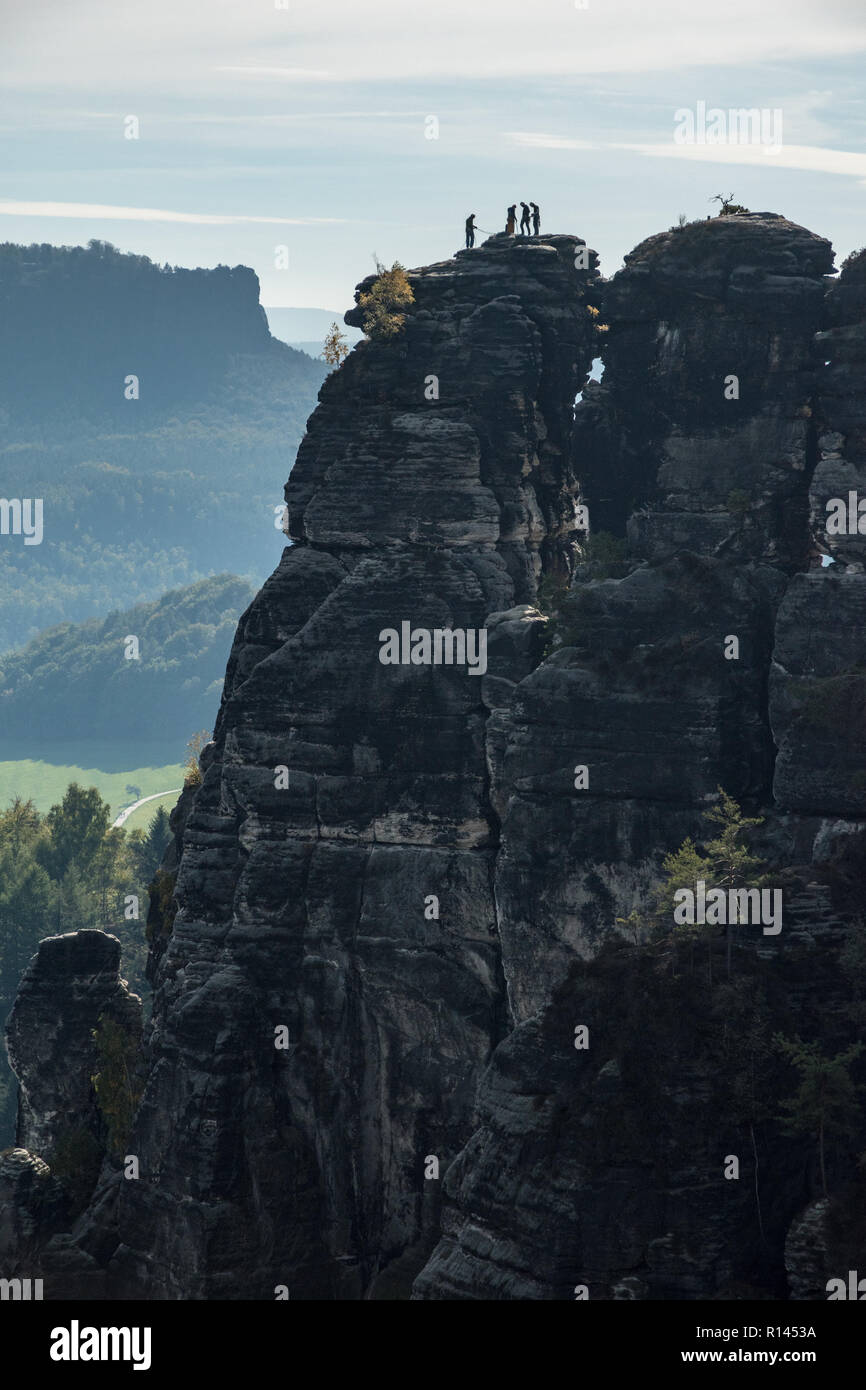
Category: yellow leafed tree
[389,294]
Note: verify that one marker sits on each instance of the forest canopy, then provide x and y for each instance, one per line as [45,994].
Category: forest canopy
[75,680]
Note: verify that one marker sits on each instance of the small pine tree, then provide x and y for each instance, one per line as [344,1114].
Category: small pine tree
[19,825]
[382,304]
[826,1098]
[158,834]
[724,862]
[336,348]
[684,865]
[732,865]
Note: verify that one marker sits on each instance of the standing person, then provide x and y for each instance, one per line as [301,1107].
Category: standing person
[524,219]
[536,219]
[512,220]
[470,231]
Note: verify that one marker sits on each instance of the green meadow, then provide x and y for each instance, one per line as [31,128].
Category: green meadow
[122,773]
[140,819]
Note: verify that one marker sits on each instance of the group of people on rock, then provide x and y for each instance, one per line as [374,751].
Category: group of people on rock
[530,223]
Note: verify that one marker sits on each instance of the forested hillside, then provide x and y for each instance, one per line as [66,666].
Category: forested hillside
[62,872]
[145,484]
[75,681]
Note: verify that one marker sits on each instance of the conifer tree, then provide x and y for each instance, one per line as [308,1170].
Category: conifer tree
[732,864]
[683,865]
[826,1099]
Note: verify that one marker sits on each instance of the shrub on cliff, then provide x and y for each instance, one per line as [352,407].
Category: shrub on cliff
[163,907]
[389,294]
[118,1089]
[855,263]
[192,770]
[728,207]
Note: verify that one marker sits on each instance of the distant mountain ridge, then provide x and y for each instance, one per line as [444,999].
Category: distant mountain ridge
[142,492]
[99,315]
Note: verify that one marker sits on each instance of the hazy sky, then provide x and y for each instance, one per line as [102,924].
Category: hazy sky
[305,125]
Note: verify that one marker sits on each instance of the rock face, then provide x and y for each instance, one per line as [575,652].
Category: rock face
[597,1168]
[806,1254]
[396,889]
[643,695]
[336,874]
[818,680]
[29,1206]
[842,439]
[72,981]
[651,699]
[71,985]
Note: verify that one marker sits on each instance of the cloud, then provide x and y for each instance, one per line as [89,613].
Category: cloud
[814,158]
[104,212]
[548,142]
[171,45]
[304,74]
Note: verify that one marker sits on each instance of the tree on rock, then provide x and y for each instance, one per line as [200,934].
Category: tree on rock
[336,348]
[116,1082]
[729,208]
[382,304]
[826,1098]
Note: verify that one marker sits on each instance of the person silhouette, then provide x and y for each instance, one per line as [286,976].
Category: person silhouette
[536,219]
[512,220]
[470,231]
[524,219]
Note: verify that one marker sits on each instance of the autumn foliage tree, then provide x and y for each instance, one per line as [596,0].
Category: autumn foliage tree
[192,769]
[383,304]
[336,348]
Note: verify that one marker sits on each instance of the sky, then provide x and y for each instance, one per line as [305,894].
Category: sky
[306,138]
